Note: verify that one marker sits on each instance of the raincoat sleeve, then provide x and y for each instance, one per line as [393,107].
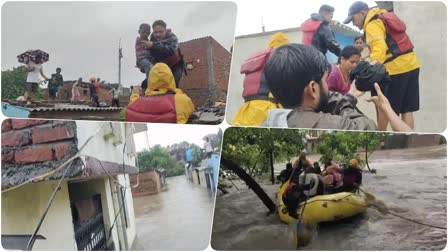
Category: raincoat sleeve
[376,40]
[166,48]
[330,40]
[184,107]
[344,106]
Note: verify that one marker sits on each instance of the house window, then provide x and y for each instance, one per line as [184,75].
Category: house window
[84,92]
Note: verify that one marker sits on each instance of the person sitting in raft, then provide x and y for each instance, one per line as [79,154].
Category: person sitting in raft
[306,186]
[317,169]
[351,176]
[257,97]
[332,176]
[286,173]
[163,102]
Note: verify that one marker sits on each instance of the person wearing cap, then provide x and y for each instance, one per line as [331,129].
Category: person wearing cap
[317,32]
[258,98]
[351,176]
[403,67]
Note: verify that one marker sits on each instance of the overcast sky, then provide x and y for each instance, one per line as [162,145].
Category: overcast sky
[168,134]
[82,37]
[282,14]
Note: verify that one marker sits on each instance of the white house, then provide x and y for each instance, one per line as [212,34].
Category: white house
[93,209]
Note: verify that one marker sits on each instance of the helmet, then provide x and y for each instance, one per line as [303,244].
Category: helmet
[92,79]
[353,162]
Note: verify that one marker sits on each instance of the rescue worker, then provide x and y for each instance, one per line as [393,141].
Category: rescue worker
[317,32]
[351,176]
[258,99]
[386,37]
[164,48]
[163,101]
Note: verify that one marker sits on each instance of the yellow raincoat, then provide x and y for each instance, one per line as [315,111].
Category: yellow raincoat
[376,40]
[134,96]
[253,113]
[161,80]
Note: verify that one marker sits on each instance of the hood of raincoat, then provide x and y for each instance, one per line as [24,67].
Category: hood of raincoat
[372,12]
[278,39]
[161,80]
[277,118]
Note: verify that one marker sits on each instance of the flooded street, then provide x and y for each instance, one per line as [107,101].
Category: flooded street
[411,182]
[178,218]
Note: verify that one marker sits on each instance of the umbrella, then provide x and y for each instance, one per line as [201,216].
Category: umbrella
[31,55]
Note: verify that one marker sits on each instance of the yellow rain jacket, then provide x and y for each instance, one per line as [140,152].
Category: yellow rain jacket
[157,105]
[254,112]
[376,40]
[134,96]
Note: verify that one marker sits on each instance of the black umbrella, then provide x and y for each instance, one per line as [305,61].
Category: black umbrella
[32,55]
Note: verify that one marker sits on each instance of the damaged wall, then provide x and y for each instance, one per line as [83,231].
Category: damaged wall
[35,147]
[149,183]
[197,84]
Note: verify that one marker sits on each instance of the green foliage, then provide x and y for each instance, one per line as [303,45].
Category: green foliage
[123,113]
[159,157]
[251,147]
[13,82]
[343,146]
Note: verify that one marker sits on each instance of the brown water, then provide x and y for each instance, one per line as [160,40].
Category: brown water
[178,218]
[411,182]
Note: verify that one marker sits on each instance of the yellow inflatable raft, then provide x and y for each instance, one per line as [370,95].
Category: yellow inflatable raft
[323,208]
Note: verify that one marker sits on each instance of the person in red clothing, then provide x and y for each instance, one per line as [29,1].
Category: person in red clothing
[317,32]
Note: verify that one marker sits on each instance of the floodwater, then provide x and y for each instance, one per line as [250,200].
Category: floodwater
[178,218]
[411,182]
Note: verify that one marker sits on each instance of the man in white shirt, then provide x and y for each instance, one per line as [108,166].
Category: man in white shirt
[35,71]
[208,149]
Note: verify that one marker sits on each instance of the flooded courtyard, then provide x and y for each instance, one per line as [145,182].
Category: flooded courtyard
[411,182]
[178,218]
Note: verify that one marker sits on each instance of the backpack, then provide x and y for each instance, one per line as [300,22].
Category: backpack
[309,28]
[397,40]
[254,85]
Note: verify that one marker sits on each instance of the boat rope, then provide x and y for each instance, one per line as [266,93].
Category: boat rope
[399,216]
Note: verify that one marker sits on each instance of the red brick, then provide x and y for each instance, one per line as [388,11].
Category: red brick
[16,138]
[8,157]
[6,125]
[23,123]
[50,134]
[61,150]
[34,155]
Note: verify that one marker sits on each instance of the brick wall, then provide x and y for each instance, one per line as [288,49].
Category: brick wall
[196,84]
[149,183]
[65,93]
[34,147]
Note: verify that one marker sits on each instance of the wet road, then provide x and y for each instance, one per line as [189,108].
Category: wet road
[411,182]
[176,219]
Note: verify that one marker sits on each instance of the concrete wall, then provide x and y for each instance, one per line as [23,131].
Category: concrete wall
[427,25]
[149,183]
[23,207]
[243,47]
[107,144]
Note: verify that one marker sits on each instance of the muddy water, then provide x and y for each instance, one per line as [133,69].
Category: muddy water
[411,182]
[178,218]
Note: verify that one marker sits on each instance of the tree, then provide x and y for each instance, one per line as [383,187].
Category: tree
[258,149]
[159,157]
[13,82]
[343,146]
